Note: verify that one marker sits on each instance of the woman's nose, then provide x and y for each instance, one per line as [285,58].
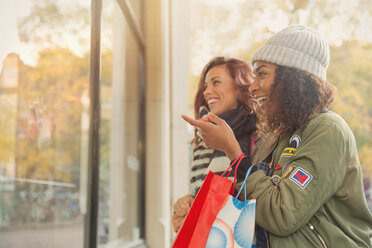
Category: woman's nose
[207,90]
[253,87]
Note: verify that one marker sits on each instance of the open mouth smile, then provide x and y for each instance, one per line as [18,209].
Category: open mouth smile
[212,101]
[261,99]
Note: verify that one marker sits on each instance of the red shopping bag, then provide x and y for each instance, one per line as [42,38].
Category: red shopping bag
[210,199]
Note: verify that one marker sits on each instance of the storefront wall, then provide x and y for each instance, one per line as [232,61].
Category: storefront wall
[167,73]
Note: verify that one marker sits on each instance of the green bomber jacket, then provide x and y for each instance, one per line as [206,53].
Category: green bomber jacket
[313,195]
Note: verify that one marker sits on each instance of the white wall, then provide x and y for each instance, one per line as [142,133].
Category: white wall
[167,165]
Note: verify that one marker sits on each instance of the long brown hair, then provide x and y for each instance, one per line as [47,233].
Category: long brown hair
[301,96]
[242,75]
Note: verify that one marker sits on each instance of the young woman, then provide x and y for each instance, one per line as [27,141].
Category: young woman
[223,89]
[312,195]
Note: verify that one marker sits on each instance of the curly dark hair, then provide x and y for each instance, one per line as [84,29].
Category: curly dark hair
[301,96]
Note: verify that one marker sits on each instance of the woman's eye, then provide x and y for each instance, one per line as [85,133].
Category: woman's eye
[261,74]
[216,82]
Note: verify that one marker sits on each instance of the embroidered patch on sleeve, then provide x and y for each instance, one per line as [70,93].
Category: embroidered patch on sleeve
[277,167]
[288,152]
[301,177]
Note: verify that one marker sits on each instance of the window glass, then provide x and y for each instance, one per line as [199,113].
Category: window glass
[44,62]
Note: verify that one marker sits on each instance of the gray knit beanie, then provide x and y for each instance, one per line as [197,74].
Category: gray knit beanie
[299,47]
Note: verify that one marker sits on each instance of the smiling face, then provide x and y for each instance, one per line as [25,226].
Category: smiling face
[261,87]
[220,93]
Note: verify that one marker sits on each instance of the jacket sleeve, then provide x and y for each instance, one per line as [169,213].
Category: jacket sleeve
[283,209]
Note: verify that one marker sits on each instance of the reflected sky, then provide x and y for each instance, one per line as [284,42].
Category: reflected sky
[10,12]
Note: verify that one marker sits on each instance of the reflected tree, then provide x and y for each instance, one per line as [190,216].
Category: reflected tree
[50,106]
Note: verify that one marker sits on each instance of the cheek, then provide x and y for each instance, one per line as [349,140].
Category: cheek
[265,84]
[229,100]
[261,83]
[233,95]
[275,104]
[234,101]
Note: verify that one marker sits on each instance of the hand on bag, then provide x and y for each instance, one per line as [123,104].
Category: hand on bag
[181,209]
[177,222]
[218,136]
[182,205]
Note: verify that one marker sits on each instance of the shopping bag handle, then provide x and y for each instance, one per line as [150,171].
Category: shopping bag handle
[237,162]
[247,174]
[244,184]
[238,159]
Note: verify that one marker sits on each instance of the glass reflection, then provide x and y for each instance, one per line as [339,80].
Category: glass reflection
[43,84]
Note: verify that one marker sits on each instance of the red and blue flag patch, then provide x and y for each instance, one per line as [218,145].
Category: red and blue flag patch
[301,177]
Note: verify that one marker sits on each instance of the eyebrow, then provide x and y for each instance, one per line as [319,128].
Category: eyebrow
[258,68]
[213,78]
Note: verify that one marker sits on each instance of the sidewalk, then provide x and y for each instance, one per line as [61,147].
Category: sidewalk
[70,236]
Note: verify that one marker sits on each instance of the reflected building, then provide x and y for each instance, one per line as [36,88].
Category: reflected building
[9,81]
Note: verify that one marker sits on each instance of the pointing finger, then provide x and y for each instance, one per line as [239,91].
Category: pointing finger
[193,122]
[205,119]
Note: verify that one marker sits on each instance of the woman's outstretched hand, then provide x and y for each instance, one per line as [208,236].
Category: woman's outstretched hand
[216,134]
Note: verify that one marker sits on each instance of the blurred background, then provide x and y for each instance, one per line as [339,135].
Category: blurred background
[152,53]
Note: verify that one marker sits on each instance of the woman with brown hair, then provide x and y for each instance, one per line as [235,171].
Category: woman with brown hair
[223,90]
[312,195]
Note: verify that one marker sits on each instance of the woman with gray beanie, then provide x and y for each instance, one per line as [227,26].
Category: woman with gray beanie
[311,194]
